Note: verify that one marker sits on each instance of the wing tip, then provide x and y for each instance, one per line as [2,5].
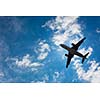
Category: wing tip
[66,66]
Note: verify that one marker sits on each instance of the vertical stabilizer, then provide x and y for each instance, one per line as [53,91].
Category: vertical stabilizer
[85,57]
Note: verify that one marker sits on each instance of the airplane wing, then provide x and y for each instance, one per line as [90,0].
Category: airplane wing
[79,54]
[75,46]
[68,60]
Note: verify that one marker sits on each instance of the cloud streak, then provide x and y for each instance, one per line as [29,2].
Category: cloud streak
[64,28]
[43,50]
[25,62]
[98,30]
[93,72]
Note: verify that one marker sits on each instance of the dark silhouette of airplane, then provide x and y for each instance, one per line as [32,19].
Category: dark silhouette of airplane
[73,51]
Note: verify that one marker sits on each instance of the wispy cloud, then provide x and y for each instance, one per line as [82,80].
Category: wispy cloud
[43,50]
[4,51]
[12,24]
[16,24]
[25,62]
[63,28]
[92,74]
[56,76]
[1,74]
[98,30]
[59,38]
[84,51]
[43,79]
[68,29]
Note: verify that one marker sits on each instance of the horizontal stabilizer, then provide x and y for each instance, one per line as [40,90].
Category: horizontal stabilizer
[85,57]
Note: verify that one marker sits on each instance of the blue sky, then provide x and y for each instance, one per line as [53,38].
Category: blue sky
[30,51]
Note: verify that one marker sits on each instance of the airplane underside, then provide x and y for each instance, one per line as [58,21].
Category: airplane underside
[73,51]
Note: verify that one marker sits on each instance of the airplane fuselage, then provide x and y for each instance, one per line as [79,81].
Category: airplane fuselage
[72,51]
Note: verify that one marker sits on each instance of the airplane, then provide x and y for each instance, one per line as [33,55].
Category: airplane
[73,51]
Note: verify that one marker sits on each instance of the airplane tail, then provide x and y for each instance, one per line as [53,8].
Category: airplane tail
[85,57]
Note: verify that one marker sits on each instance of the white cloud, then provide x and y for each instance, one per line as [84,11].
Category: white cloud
[43,46]
[43,50]
[84,51]
[45,78]
[25,62]
[61,22]
[93,72]
[98,30]
[1,74]
[67,29]
[16,24]
[75,40]
[91,75]
[56,76]
[4,49]
[59,38]
[63,28]
[28,61]
[36,64]
[43,55]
